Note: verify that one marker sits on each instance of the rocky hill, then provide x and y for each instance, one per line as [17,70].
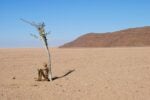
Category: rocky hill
[123,38]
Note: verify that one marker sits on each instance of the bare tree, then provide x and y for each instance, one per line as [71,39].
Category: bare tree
[42,35]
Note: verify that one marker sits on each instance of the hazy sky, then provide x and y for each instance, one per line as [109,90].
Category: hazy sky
[68,19]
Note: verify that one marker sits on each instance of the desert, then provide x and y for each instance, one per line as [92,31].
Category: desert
[74,50]
[82,74]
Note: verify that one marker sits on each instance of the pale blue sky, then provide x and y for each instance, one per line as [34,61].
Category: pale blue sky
[67,19]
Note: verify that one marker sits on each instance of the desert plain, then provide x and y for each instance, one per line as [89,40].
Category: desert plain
[82,74]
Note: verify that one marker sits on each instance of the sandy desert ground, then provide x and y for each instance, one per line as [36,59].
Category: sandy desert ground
[97,74]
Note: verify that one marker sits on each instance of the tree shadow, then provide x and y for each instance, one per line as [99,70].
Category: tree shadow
[66,74]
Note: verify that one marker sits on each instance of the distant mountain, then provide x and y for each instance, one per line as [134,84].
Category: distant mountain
[130,37]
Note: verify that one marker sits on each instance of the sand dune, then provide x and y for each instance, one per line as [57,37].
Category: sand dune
[97,74]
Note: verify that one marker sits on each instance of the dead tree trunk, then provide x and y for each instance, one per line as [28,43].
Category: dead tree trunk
[49,61]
